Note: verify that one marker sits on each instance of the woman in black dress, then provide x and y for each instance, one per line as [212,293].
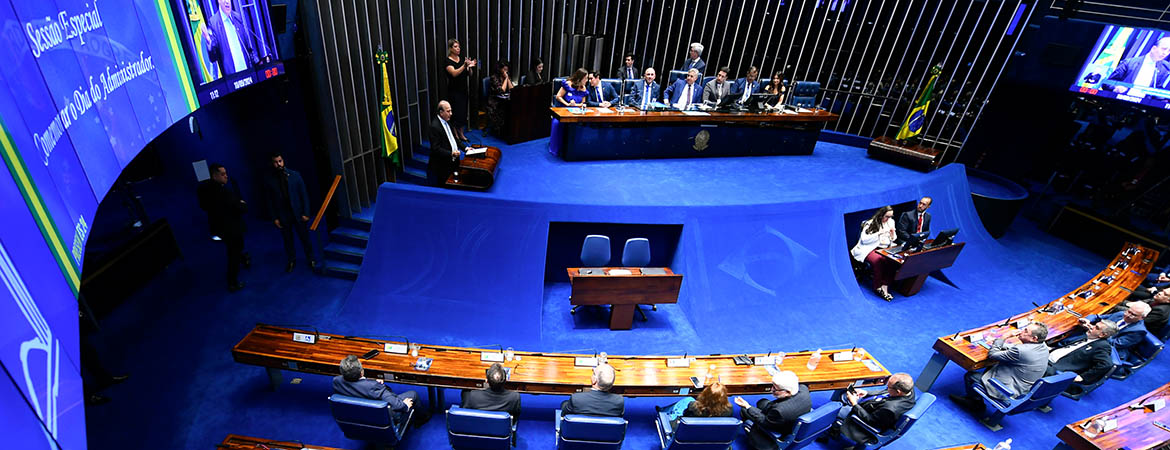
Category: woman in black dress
[456,68]
[499,86]
[536,75]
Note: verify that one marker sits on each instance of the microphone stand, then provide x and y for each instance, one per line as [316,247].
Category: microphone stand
[622,94]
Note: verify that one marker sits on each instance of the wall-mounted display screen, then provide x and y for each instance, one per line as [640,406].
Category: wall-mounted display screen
[1128,64]
[229,44]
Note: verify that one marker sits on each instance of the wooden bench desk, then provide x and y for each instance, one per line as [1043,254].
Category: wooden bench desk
[975,446]
[273,347]
[624,292]
[971,356]
[913,268]
[1135,428]
[237,442]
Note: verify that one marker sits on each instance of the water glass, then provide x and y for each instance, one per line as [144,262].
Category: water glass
[509,354]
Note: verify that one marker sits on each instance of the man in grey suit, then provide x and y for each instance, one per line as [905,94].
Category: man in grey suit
[597,401]
[717,88]
[1019,367]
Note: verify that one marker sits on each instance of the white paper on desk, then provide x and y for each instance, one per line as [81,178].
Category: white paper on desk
[491,357]
[604,110]
[696,113]
[620,272]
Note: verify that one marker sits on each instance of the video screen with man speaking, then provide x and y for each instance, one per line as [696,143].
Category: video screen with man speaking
[229,44]
[1128,64]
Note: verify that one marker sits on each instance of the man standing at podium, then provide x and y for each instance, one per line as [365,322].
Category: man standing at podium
[916,221]
[445,147]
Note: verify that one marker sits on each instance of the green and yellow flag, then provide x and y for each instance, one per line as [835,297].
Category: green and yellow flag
[917,117]
[389,141]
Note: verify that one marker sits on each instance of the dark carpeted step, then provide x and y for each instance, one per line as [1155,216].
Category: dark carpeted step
[342,269]
[337,251]
[350,236]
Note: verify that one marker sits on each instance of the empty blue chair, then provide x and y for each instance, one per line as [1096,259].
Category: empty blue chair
[594,253]
[523,78]
[367,420]
[1041,394]
[636,253]
[808,427]
[578,431]
[804,94]
[1079,390]
[714,433]
[1140,355]
[479,429]
[925,399]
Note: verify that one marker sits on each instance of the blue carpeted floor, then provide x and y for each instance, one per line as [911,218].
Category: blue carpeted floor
[176,334]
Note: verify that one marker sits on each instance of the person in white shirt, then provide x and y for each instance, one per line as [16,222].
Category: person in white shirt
[1149,70]
[877,233]
[229,42]
[685,92]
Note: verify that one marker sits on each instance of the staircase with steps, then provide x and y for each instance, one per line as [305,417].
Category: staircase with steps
[347,248]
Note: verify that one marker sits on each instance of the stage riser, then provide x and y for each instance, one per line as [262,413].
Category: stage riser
[596,142]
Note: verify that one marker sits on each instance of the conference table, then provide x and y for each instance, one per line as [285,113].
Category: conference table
[975,446]
[274,348]
[913,268]
[624,288]
[477,172]
[583,134]
[237,442]
[1099,295]
[1129,428]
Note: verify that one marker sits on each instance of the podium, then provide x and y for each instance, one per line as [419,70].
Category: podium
[913,268]
[624,292]
[477,173]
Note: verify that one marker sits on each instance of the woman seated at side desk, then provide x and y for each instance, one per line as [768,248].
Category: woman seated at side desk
[711,402]
[876,233]
[572,91]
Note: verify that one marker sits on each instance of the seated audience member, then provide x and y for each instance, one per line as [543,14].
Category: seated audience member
[600,94]
[499,86]
[353,382]
[684,92]
[1154,283]
[693,61]
[1131,327]
[1018,367]
[778,414]
[717,88]
[645,91]
[711,402]
[1159,312]
[877,233]
[572,91]
[1089,358]
[445,147]
[746,86]
[597,401]
[494,397]
[776,87]
[916,221]
[627,70]
[880,410]
[536,75]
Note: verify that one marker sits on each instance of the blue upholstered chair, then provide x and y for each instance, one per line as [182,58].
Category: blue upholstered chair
[615,84]
[1142,354]
[674,75]
[713,433]
[1082,389]
[594,253]
[629,90]
[1041,394]
[556,86]
[523,78]
[705,80]
[485,86]
[925,399]
[808,427]
[804,94]
[636,253]
[367,420]
[577,431]
[478,429]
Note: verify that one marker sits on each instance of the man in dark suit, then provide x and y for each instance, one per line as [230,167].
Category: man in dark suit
[225,219]
[693,60]
[685,92]
[229,42]
[1149,70]
[880,410]
[916,221]
[445,147]
[1159,312]
[627,70]
[288,207]
[599,94]
[1019,367]
[1131,327]
[597,401]
[743,88]
[1089,358]
[779,414]
[353,382]
[495,397]
[645,90]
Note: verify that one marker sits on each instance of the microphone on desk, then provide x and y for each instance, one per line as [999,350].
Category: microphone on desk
[956,336]
[387,336]
[316,334]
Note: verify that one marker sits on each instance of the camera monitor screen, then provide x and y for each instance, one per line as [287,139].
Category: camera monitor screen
[1128,64]
[229,44]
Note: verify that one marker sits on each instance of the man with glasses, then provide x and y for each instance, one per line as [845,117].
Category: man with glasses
[880,410]
[779,414]
[1131,327]
[1090,358]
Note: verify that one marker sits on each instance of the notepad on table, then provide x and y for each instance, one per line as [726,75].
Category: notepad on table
[620,272]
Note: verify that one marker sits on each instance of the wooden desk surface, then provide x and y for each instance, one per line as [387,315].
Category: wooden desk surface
[972,356]
[477,172]
[237,442]
[540,373]
[636,272]
[1135,428]
[634,116]
[975,446]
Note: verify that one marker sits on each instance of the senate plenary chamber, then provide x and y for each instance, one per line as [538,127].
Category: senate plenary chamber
[585,224]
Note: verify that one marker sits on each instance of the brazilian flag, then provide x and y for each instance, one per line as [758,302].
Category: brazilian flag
[917,117]
[207,70]
[389,140]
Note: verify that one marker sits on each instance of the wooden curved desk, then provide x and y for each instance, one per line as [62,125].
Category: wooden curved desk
[969,355]
[273,347]
[1135,427]
[477,173]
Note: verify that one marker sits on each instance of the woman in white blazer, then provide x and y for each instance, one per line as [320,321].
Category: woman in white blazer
[878,232]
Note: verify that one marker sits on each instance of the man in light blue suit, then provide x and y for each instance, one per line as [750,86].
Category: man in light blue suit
[645,90]
[685,93]
[600,94]
[746,86]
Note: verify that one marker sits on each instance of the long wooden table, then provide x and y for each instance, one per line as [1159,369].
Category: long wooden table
[958,348]
[624,292]
[1135,427]
[607,133]
[477,173]
[273,347]
[237,442]
[975,446]
[913,268]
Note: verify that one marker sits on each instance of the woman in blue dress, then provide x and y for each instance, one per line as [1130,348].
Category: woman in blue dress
[572,92]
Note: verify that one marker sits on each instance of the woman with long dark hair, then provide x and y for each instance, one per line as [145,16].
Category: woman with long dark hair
[572,91]
[499,85]
[456,68]
[876,233]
